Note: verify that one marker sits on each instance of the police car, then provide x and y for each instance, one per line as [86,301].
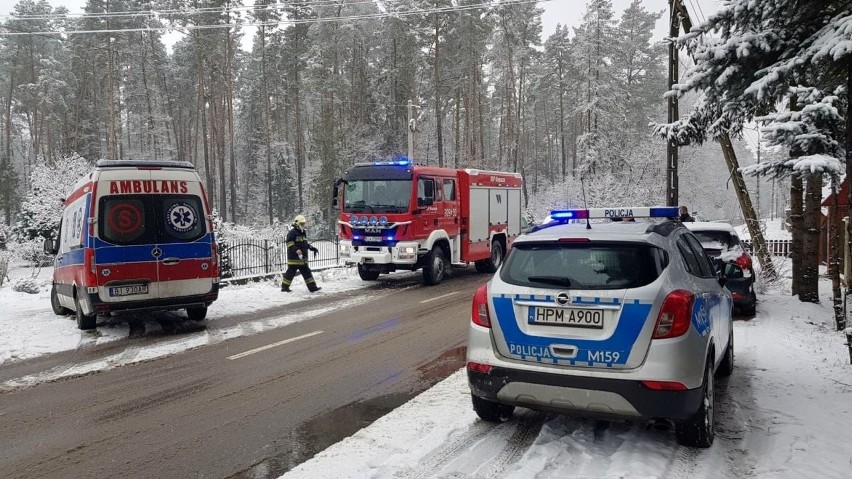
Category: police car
[615,319]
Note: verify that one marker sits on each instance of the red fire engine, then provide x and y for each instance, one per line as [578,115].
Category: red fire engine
[397,215]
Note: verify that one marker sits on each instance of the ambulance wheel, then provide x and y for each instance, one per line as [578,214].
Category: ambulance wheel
[366,274]
[491,411]
[84,321]
[196,314]
[58,309]
[435,267]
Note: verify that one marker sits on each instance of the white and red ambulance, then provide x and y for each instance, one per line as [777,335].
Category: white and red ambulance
[135,236]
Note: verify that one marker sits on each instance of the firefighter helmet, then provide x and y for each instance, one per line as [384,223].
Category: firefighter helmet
[300,220]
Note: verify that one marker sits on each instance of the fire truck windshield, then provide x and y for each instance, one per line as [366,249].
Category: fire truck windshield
[377,196]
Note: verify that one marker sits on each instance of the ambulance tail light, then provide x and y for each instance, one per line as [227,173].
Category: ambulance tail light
[674,317]
[214,248]
[90,267]
[479,308]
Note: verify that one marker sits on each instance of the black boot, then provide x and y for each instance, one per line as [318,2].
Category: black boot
[315,289]
[285,289]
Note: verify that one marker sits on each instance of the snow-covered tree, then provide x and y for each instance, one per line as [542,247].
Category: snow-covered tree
[42,208]
[752,58]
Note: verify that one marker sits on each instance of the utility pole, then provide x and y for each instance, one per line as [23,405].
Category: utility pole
[673,111]
[412,128]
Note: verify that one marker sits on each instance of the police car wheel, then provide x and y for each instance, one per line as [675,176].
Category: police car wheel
[84,321]
[433,271]
[196,314]
[726,368]
[58,309]
[699,430]
[366,274]
[491,411]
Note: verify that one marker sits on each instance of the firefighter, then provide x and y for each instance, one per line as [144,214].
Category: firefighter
[297,256]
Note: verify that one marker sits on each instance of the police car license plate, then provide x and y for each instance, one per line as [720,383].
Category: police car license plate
[128,290]
[573,317]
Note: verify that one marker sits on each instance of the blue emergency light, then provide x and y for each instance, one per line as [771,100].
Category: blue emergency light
[620,213]
[402,162]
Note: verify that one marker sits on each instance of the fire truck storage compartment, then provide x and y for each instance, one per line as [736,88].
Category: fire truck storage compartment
[494,206]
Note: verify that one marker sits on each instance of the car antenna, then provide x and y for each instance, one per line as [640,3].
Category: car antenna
[585,204]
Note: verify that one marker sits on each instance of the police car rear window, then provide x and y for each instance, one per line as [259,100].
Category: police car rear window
[593,265]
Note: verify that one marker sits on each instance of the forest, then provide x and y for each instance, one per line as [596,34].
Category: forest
[271,120]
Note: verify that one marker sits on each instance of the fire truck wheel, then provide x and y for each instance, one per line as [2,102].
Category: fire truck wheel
[491,264]
[196,314]
[366,274]
[54,303]
[84,321]
[435,267]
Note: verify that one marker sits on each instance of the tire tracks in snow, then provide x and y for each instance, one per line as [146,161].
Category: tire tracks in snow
[519,434]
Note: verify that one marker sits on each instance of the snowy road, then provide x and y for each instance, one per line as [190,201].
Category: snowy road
[251,399]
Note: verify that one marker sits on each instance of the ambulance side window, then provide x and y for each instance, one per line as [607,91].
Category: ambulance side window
[71,229]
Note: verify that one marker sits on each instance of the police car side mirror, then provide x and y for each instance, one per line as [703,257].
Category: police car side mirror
[51,246]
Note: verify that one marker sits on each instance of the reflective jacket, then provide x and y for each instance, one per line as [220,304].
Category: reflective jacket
[297,247]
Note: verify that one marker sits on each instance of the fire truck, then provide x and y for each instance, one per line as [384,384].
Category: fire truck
[402,216]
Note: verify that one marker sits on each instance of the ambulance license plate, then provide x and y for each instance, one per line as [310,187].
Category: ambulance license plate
[128,290]
[573,317]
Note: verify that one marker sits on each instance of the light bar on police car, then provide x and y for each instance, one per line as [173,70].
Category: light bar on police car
[628,212]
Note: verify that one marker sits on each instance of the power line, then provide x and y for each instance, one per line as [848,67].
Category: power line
[184,11]
[205,10]
[438,10]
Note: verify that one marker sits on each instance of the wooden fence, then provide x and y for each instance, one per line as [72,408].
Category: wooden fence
[775,247]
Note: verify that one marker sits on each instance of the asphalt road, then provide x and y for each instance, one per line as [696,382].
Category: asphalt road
[252,406]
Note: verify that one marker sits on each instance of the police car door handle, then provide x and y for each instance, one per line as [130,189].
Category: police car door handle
[171,260]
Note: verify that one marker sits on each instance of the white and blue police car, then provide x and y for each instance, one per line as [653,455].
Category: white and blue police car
[616,319]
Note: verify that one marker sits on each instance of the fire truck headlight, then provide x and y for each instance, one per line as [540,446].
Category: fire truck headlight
[345,249]
[407,252]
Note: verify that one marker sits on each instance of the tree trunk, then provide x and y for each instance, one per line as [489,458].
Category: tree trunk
[233,162]
[267,143]
[437,75]
[797,226]
[810,240]
[847,251]
[835,260]
[758,243]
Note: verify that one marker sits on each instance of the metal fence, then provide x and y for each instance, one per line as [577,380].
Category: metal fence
[775,247]
[246,258]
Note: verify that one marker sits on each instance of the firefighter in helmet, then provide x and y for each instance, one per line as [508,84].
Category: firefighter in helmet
[297,256]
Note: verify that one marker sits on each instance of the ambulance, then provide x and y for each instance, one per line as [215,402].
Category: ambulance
[135,236]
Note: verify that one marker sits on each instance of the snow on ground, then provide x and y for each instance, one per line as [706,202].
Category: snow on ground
[30,329]
[784,412]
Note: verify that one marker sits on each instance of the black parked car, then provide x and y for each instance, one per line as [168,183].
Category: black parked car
[722,244]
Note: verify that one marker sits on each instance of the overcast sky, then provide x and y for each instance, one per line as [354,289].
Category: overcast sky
[566,12]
